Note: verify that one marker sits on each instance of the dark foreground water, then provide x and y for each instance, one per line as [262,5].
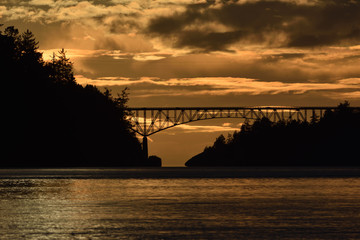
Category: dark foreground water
[180,203]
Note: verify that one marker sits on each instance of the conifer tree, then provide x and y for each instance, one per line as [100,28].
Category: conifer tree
[61,68]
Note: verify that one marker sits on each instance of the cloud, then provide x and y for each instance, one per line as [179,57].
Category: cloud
[355,95]
[186,128]
[268,65]
[148,57]
[204,25]
[86,9]
[42,2]
[270,23]
[221,86]
[109,13]
[2,10]
[180,48]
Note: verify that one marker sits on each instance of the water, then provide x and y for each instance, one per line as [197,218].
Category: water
[179,204]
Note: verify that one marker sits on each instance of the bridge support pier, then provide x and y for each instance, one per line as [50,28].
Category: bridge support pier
[145,148]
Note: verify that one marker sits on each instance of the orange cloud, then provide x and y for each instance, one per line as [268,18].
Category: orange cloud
[220,86]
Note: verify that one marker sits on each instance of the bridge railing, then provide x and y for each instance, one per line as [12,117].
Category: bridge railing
[148,121]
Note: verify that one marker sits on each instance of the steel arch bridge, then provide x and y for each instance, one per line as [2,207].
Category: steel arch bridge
[148,121]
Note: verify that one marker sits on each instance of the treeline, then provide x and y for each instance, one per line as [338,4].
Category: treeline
[332,140]
[51,121]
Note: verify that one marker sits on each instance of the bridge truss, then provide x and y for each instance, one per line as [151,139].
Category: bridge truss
[148,121]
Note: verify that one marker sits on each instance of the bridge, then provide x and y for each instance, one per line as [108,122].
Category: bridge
[148,121]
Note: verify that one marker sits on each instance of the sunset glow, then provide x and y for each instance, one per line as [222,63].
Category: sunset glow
[204,53]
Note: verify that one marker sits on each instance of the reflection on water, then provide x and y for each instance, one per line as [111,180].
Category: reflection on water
[180,208]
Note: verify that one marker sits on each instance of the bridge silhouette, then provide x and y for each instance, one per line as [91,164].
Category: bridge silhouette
[148,121]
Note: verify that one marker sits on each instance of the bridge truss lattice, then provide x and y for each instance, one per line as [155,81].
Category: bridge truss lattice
[148,121]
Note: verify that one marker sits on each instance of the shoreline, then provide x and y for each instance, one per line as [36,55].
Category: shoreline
[181,172]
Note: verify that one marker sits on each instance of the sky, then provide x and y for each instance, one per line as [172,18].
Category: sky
[178,53]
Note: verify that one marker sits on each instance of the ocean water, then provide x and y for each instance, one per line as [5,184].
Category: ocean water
[180,203]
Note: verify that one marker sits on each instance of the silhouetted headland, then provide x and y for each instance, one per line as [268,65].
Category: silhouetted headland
[332,140]
[55,122]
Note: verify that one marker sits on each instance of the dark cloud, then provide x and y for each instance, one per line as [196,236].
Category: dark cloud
[283,56]
[122,25]
[278,67]
[201,39]
[176,22]
[304,25]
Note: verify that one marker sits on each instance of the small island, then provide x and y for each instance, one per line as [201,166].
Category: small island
[330,141]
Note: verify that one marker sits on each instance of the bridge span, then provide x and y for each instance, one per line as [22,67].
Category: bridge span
[148,121]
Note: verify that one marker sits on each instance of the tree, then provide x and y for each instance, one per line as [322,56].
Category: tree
[220,142]
[61,68]
[246,127]
[28,47]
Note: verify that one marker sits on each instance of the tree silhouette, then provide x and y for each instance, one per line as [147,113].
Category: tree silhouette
[28,48]
[56,122]
[61,68]
[219,142]
[329,141]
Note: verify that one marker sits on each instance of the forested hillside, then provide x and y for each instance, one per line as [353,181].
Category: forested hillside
[51,121]
[330,141]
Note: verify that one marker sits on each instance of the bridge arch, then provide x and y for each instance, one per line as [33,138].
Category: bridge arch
[148,121]
[171,125]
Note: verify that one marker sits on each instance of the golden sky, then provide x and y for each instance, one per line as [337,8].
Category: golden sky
[203,53]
